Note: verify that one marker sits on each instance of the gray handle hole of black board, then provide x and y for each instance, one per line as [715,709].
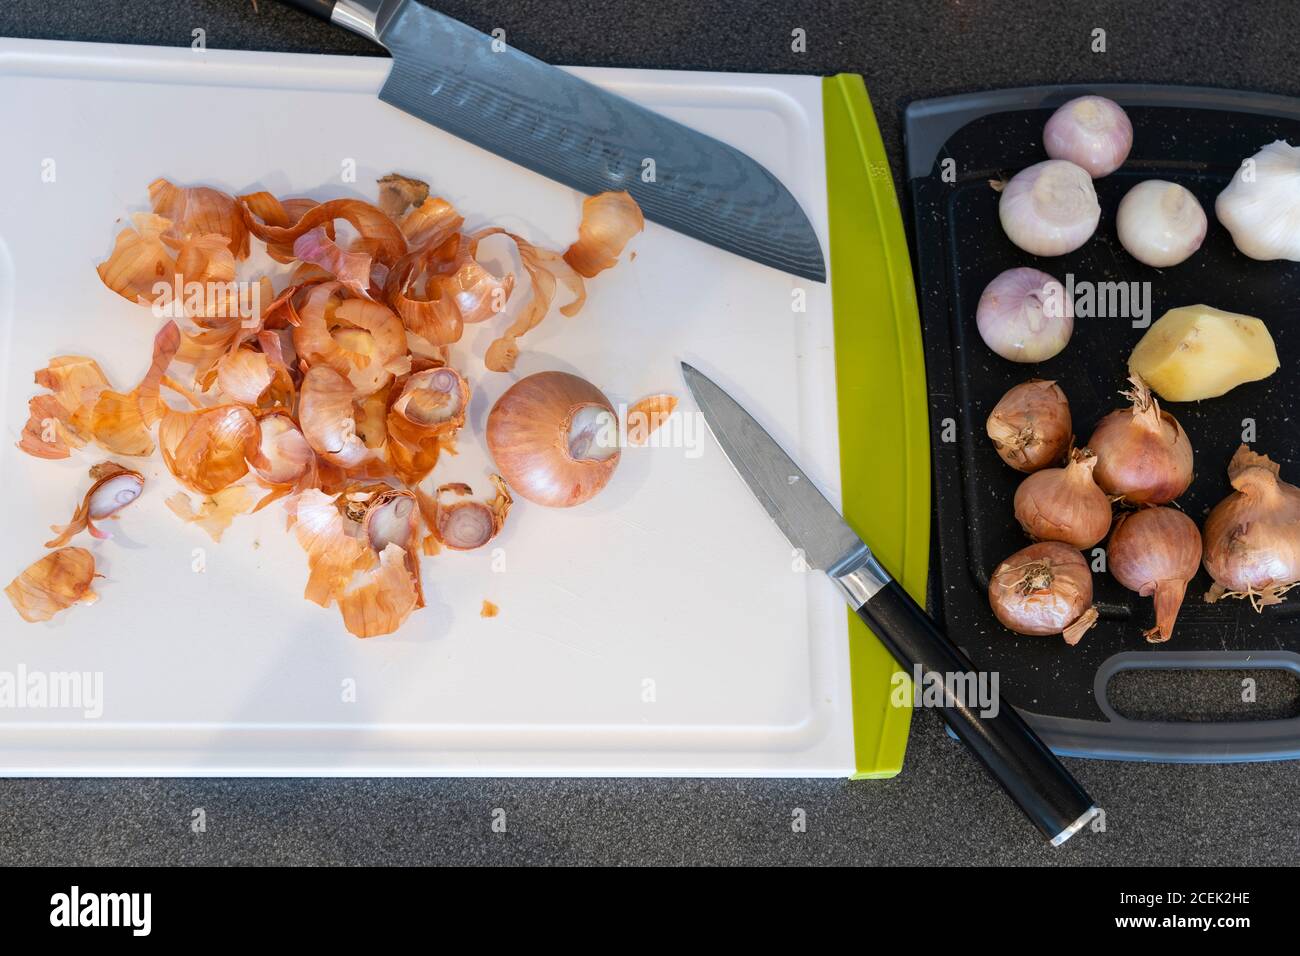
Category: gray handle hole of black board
[1189,695]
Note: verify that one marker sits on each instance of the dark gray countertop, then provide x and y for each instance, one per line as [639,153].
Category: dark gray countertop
[942,809]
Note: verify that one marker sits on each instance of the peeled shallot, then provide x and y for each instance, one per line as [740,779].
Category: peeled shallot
[555,438]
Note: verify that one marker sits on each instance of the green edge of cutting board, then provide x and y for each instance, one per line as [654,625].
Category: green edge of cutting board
[883,408]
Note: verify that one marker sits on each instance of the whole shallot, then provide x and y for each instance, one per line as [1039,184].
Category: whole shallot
[1156,551]
[1064,504]
[1143,454]
[1252,537]
[1043,589]
[1030,426]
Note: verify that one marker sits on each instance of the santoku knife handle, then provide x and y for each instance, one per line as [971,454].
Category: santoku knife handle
[360,16]
[1027,770]
[317,8]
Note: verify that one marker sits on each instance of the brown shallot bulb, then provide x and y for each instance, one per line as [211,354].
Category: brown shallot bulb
[1156,551]
[1143,455]
[1044,589]
[1252,537]
[1030,425]
[554,437]
[1064,504]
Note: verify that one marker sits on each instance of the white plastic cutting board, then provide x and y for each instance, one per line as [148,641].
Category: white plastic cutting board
[660,629]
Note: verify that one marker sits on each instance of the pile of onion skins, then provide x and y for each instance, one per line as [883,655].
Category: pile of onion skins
[339,397]
[1140,459]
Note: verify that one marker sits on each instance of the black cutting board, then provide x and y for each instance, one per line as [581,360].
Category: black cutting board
[1194,137]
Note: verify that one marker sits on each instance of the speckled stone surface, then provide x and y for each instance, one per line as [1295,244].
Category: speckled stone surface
[942,809]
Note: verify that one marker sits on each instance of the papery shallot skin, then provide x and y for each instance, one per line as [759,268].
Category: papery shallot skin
[52,584]
[646,416]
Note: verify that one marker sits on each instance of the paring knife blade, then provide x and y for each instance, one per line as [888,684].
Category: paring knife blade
[553,123]
[803,514]
[999,737]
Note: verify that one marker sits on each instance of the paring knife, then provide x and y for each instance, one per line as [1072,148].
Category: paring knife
[541,117]
[1027,770]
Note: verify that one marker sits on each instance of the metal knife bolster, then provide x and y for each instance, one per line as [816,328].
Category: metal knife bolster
[858,575]
[360,16]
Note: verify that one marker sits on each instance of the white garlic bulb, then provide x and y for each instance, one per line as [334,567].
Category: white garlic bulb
[1261,206]
[1160,223]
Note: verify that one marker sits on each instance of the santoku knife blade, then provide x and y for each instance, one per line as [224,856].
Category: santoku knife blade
[541,117]
[1015,756]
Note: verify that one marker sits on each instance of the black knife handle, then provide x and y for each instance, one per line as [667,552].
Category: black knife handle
[1027,770]
[317,8]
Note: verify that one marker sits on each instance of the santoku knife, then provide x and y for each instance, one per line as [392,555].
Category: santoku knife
[1000,738]
[541,117]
